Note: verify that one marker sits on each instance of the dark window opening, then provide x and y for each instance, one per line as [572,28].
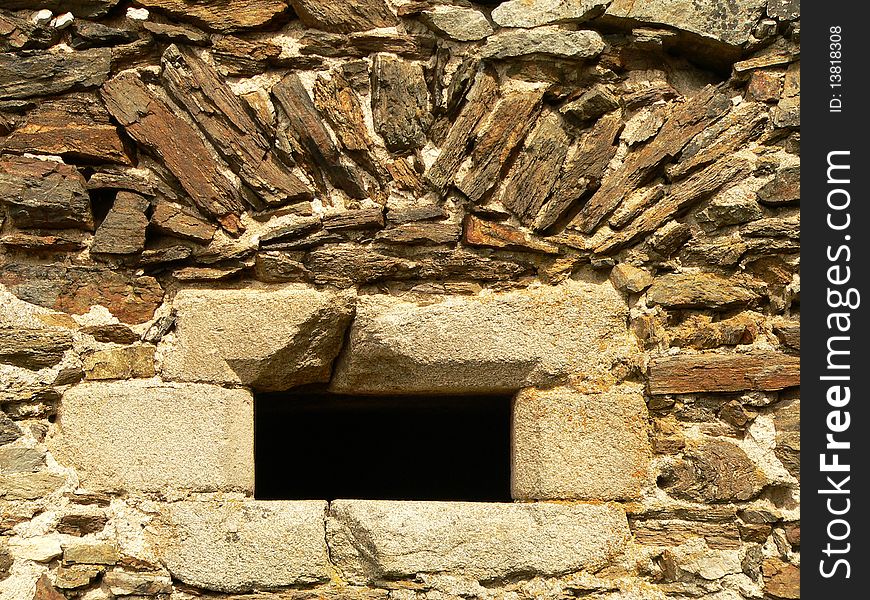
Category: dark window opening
[328,446]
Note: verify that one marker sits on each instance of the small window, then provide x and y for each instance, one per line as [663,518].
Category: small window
[328,446]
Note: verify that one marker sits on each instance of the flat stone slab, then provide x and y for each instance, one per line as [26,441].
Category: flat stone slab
[486,343]
[144,435]
[584,446]
[270,338]
[243,545]
[375,539]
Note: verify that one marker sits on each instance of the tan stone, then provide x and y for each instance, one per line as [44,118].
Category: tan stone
[628,278]
[239,546]
[147,435]
[781,580]
[120,363]
[30,486]
[572,445]
[90,553]
[484,343]
[374,539]
[269,338]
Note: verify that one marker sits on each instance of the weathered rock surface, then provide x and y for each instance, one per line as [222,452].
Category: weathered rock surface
[585,446]
[152,123]
[703,290]
[715,471]
[270,339]
[489,342]
[549,40]
[227,15]
[74,126]
[591,104]
[628,278]
[532,13]
[244,545]
[42,193]
[181,222]
[232,127]
[38,73]
[400,104]
[781,580]
[459,23]
[143,435]
[732,23]
[344,16]
[371,540]
[500,235]
[120,363]
[123,229]
[709,372]
[33,348]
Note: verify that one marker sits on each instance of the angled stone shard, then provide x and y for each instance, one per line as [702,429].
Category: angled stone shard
[144,435]
[549,40]
[123,229]
[684,122]
[400,103]
[584,446]
[494,147]
[231,126]
[531,178]
[43,73]
[72,126]
[303,125]
[490,342]
[271,339]
[226,15]
[344,16]
[243,546]
[532,13]
[41,193]
[730,23]
[154,125]
[372,540]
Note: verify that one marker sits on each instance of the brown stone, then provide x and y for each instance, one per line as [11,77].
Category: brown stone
[90,553]
[80,8]
[511,120]
[310,138]
[344,16]
[364,218]
[80,524]
[703,290]
[45,241]
[152,123]
[593,103]
[41,193]
[181,222]
[345,264]
[709,372]
[757,533]
[715,471]
[36,73]
[290,232]
[682,124]
[785,188]
[46,591]
[764,86]
[277,266]
[781,580]
[88,34]
[339,103]
[231,126]
[534,174]
[628,278]
[18,33]
[793,533]
[176,33]
[76,576]
[657,532]
[787,420]
[123,229]
[788,110]
[116,333]
[498,235]
[73,126]
[364,43]
[421,233]
[33,348]
[235,56]
[702,332]
[226,15]
[405,177]
[400,103]
[76,289]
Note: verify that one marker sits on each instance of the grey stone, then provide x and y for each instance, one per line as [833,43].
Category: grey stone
[531,13]
[459,23]
[39,73]
[784,10]
[20,460]
[269,338]
[41,193]
[593,103]
[730,22]
[9,431]
[584,446]
[148,436]
[123,229]
[550,40]
[240,546]
[374,540]
[80,8]
[488,342]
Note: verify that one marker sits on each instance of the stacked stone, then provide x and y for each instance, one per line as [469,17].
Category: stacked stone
[591,204]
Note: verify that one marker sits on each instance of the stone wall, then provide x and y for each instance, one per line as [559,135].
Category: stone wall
[589,204]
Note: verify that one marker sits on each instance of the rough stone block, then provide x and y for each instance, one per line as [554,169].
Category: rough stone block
[572,445]
[270,338]
[485,343]
[374,539]
[148,436]
[239,546]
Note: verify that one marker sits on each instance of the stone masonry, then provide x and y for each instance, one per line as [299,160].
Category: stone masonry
[589,205]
